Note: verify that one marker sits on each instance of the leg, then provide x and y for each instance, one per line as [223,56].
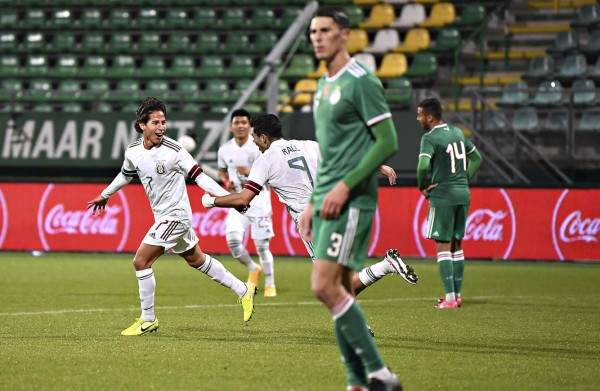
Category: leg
[236,225]
[391,263]
[440,226]
[458,265]
[266,263]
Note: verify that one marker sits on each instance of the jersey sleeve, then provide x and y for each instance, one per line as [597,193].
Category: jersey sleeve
[426,147]
[128,168]
[259,174]
[469,146]
[221,164]
[370,100]
[187,164]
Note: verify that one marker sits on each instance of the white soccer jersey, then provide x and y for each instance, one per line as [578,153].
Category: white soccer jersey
[230,156]
[290,168]
[162,171]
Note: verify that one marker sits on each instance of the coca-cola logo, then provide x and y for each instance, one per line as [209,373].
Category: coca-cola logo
[3,218]
[64,223]
[295,245]
[490,228]
[213,223]
[576,226]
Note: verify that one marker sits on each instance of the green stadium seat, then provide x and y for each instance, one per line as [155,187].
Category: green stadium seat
[300,66]
[565,42]
[120,18]
[549,93]
[66,66]
[10,89]
[241,66]
[9,20]
[424,65]
[398,91]
[288,16]
[593,46]
[34,19]
[263,18]
[355,15]
[558,121]
[236,43]
[188,90]
[8,42]
[61,19]
[103,107]
[126,90]
[446,41]
[123,66]
[574,66]
[39,90]
[219,109]
[120,43]
[92,42]
[233,18]
[91,18]
[62,41]
[264,41]
[205,18]
[208,42]
[590,121]
[525,120]
[241,86]
[191,108]
[35,66]
[147,18]
[595,73]
[158,87]
[72,107]
[93,66]
[129,107]
[42,108]
[211,66]
[514,94]
[98,89]
[178,42]
[584,92]
[470,16]
[34,42]
[9,65]
[68,90]
[183,66]
[254,108]
[216,91]
[539,68]
[152,66]
[176,18]
[587,16]
[149,43]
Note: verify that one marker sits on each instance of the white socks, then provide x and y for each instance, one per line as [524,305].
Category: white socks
[147,287]
[373,273]
[217,272]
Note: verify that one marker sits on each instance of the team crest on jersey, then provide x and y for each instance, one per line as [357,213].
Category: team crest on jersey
[335,96]
[160,168]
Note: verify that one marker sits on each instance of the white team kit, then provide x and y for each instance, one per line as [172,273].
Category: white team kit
[259,215]
[290,168]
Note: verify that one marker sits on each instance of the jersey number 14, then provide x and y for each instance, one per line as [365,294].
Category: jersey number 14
[456,154]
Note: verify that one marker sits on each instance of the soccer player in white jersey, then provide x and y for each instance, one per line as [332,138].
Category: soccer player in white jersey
[235,158]
[161,164]
[290,168]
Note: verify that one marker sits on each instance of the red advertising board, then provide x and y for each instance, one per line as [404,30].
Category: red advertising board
[531,224]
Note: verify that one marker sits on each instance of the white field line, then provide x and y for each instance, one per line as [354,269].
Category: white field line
[213,306]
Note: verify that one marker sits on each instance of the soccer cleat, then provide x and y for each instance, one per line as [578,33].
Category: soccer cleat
[253,276]
[403,270]
[442,303]
[140,327]
[248,300]
[459,301]
[270,291]
[392,384]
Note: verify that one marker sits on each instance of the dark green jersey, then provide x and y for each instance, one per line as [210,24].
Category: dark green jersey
[448,147]
[345,106]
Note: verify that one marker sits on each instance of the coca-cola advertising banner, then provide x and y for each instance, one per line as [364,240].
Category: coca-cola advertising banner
[528,224]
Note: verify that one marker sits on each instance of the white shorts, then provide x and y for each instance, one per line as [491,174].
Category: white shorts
[309,245]
[262,226]
[172,235]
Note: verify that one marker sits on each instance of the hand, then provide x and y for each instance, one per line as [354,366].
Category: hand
[334,201]
[426,192]
[208,201]
[245,171]
[305,224]
[98,203]
[388,172]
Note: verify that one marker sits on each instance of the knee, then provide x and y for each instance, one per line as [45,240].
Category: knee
[235,244]
[319,290]
[140,263]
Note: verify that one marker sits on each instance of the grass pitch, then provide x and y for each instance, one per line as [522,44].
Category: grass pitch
[523,326]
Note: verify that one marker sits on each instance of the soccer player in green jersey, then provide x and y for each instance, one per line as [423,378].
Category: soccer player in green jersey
[356,135]
[453,160]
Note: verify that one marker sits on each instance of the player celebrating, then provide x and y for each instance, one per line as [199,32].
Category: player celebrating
[235,158]
[161,163]
[290,168]
[454,160]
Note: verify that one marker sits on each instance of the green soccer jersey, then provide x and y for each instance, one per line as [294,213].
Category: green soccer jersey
[448,147]
[345,106]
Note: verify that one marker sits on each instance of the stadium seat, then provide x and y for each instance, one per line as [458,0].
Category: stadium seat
[587,16]
[120,43]
[441,14]
[471,15]
[147,18]
[557,121]
[357,41]
[254,108]
[69,90]
[495,121]
[584,92]
[42,108]
[264,41]
[123,66]
[575,66]
[94,66]
[98,89]
[565,42]
[410,16]
[525,120]
[219,109]
[211,66]
[34,42]
[241,66]
[205,18]
[398,91]
[61,19]
[93,42]
[127,90]
[178,42]
[447,40]
[242,85]
[366,2]
[149,42]
[355,15]
[263,18]
[191,108]
[91,18]
[35,18]
[9,19]
[514,94]
[176,18]
[382,15]
[590,121]
[595,73]
[72,107]
[416,40]
[233,19]
[39,90]
[129,107]
[10,89]
[289,15]
[188,90]
[120,19]
[236,43]
[158,87]
[208,42]
[319,71]
[152,66]
[385,40]
[593,46]
[539,68]
[216,91]
[36,66]
[367,60]
[183,66]
[66,66]
[102,107]
[549,93]
[392,65]
[299,67]
[8,42]
[424,65]
[9,65]
[13,107]
[62,41]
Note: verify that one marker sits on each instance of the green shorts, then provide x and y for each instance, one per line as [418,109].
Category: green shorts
[445,223]
[344,240]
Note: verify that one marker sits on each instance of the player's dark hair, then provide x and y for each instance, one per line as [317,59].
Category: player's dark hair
[336,13]
[432,106]
[267,124]
[148,106]
[239,113]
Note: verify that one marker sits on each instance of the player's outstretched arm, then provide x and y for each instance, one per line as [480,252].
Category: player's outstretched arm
[234,200]
[98,203]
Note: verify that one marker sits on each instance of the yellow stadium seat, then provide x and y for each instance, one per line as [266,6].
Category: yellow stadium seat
[303,92]
[540,29]
[357,41]
[416,39]
[441,15]
[320,71]
[392,65]
[382,15]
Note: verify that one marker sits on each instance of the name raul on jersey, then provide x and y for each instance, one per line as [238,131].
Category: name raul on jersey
[290,149]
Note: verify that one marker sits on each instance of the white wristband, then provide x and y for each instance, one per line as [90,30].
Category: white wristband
[208,201]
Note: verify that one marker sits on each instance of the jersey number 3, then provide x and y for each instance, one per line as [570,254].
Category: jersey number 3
[455,155]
